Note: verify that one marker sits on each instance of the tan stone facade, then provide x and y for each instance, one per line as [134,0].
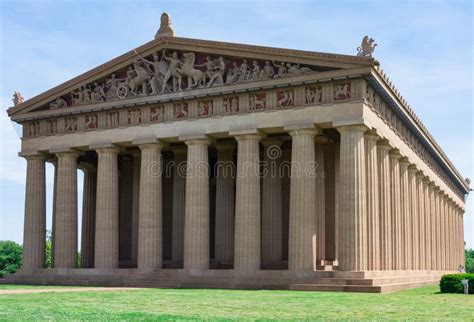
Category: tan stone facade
[290,174]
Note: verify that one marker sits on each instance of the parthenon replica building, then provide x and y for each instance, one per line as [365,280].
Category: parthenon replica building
[222,165]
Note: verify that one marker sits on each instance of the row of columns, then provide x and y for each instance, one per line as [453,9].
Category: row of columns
[389,216]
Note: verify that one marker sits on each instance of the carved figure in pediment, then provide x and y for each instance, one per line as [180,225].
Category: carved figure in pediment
[244,71]
[267,71]
[140,78]
[255,71]
[156,76]
[174,71]
[233,74]
[195,76]
[58,103]
[111,85]
[281,70]
[217,77]
[98,94]
[296,70]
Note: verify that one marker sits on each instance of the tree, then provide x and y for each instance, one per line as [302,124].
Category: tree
[469,256]
[11,255]
[49,243]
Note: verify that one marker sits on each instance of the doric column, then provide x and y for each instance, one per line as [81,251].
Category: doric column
[432,225]
[413,217]
[397,246]
[437,229]
[427,225]
[320,198]
[66,211]
[421,220]
[35,213]
[446,233]
[385,212]
[247,204]
[452,265]
[442,237]
[461,224]
[135,203]
[271,204]
[405,225]
[302,224]
[150,208]
[372,181]
[352,211]
[196,214]
[179,196]
[88,214]
[107,209]
[225,202]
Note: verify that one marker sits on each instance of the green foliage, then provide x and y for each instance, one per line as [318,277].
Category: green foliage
[49,246]
[469,255]
[11,255]
[451,283]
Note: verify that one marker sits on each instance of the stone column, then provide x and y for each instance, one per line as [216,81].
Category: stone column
[302,224]
[352,191]
[372,181]
[446,233]
[442,234]
[385,207]
[196,215]
[247,204]
[452,266]
[320,199]
[34,233]
[461,219]
[427,226]
[397,245]
[150,208]
[271,204]
[225,203]
[66,211]
[437,227]
[421,220]
[179,194]
[107,209]
[405,215]
[413,217]
[88,215]
[135,203]
[432,215]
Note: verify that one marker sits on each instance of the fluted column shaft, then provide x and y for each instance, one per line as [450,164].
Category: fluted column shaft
[247,204]
[352,189]
[150,208]
[302,223]
[385,208]
[107,209]
[413,218]
[34,233]
[373,218]
[437,229]
[196,215]
[320,199]
[447,266]
[225,203]
[271,204]
[421,220]
[442,232]
[405,216]
[427,226]
[397,245]
[66,211]
[88,216]
[432,226]
[179,196]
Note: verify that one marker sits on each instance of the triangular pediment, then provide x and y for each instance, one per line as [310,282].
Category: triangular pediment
[174,65]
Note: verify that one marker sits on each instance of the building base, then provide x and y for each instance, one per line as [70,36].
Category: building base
[367,281]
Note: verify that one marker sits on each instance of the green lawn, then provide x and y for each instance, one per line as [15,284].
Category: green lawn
[151,304]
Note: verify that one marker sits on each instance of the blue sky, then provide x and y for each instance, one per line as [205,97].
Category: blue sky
[426,47]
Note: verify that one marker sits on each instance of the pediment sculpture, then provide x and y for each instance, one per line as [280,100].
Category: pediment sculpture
[169,72]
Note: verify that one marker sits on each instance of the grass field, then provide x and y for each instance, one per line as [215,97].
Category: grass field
[164,304]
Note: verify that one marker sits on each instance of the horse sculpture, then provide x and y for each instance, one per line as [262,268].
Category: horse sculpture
[140,79]
[195,76]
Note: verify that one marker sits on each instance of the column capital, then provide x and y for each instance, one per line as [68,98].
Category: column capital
[203,141]
[155,145]
[420,174]
[249,136]
[404,162]
[395,154]
[351,128]
[40,157]
[383,144]
[371,135]
[308,131]
[412,168]
[114,150]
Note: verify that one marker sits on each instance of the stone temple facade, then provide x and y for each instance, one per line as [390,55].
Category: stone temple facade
[212,164]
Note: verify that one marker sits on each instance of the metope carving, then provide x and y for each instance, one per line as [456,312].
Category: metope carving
[313,95]
[285,98]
